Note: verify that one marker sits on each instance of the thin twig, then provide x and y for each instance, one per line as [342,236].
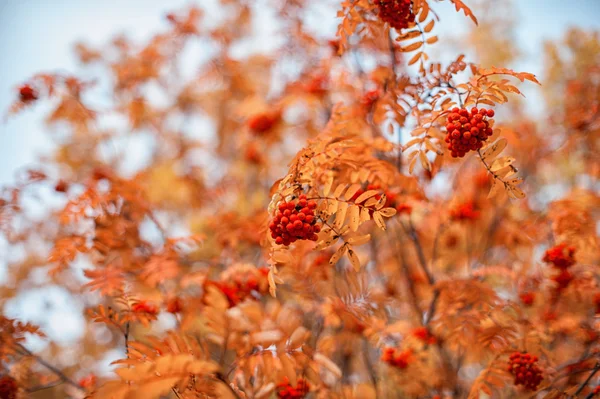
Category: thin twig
[432,307]
[412,233]
[587,380]
[52,368]
[126,334]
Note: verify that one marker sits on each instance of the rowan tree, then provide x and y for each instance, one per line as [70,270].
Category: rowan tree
[333,219]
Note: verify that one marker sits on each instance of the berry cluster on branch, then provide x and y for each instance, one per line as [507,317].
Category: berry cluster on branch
[561,257]
[400,359]
[285,390]
[524,367]
[294,221]
[467,130]
[27,93]
[397,13]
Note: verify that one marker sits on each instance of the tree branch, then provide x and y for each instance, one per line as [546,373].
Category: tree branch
[50,367]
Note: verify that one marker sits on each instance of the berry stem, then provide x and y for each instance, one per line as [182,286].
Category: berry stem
[490,170]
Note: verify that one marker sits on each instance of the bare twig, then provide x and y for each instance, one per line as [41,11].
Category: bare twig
[50,367]
[587,380]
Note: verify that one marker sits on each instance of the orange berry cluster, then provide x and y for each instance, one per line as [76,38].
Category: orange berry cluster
[241,286]
[467,130]
[524,368]
[397,13]
[285,390]
[144,307]
[27,93]
[88,381]
[397,358]
[263,122]
[404,209]
[562,258]
[174,305]
[8,387]
[295,220]
[527,298]
[424,335]
[465,211]
[317,86]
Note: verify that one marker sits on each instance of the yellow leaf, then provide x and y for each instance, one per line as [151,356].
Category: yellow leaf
[429,26]
[354,261]
[387,212]
[341,214]
[351,191]
[354,217]
[411,47]
[365,215]
[337,255]
[339,190]
[365,195]
[414,59]
[424,161]
[432,40]
[516,192]
[381,201]
[501,163]
[495,189]
[379,220]
[411,166]
[494,149]
[359,240]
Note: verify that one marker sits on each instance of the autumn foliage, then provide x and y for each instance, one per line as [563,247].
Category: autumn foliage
[336,218]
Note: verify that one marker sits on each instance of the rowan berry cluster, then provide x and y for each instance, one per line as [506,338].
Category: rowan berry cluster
[8,387]
[294,221]
[527,298]
[397,358]
[61,186]
[467,131]
[285,390]
[240,286]
[596,390]
[404,209]
[174,305]
[27,93]
[424,335]
[562,258]
[525,369]
[88,381]
[144,307]
[465,211]
[317,86]
[263,122]
[397,13]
